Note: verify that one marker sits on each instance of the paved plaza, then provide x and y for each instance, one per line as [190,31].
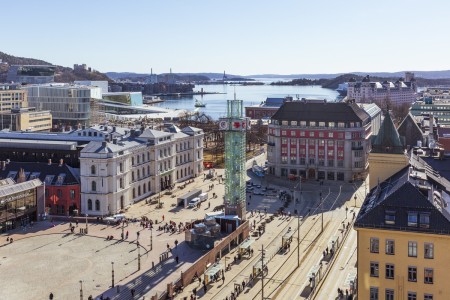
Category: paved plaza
[49,258]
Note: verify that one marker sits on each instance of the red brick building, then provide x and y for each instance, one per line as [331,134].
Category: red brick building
[62,186]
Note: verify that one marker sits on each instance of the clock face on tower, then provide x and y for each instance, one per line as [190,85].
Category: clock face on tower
[223,125]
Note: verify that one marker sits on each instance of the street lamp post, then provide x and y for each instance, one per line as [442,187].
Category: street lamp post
[112,270]
[298,240]
[321,209]
[139,258]
[86,224]
[151,239]
[81,290]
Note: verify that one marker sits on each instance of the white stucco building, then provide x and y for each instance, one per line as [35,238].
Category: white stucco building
[120,171]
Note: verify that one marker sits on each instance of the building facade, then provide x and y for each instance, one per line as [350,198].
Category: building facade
[319,140]
[20,203]
[62,186]
[383,93]
[439,108]
[70,105]
[119,172]
[403,232]
[31,74]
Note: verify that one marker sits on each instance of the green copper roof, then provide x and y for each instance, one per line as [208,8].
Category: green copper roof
[388,139]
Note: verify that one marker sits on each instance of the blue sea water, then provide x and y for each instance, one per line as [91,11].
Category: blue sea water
[251,95]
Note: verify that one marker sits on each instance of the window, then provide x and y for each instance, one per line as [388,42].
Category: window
[374,269]
[92,170]
[425,220]
[389,217]
[412,296]
[427,297]
[121,167]
[389,294]
[330,143]
[373,293]
[412,219]
[311,133]
[331,124]
[428,250]
[59,193]
[389,271]
[412,249]
[94,186]
[428,276]
[97,205]
[89,204]
[412,274]
[374,245]
[312,124]
[321,134]
[121,183]
[72,194]
[312,142]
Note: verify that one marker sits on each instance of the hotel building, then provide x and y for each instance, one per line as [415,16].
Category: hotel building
[319,140]
[383,93]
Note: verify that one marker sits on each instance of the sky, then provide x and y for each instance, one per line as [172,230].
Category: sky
[241,37]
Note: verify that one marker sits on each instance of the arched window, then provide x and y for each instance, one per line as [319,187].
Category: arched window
[97,204]
[134,193]
[144,188]
[137,156]
[139,190]
[92,170]
[143,157]
[89,204]
[121,167]
[132,176]
[148,170]
[143,172]
[132,160]
[94,186]
[149,186]
[148,156]
[121,202]
[121,183]
[138,174]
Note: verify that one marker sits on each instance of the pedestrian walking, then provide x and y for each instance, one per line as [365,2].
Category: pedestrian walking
[76,222]
[176,243]
[132,292]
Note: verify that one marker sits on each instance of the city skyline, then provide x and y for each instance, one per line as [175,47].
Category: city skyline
[251,37]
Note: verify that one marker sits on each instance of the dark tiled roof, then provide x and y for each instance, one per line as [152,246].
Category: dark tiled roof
[320,112]
[388,139]
[41,171]
[274,102]
[400,195]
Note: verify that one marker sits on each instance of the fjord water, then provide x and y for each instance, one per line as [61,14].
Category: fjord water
[250,94]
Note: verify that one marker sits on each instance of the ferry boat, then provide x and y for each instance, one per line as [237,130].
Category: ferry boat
[342,89]
[199,103]
[151,99]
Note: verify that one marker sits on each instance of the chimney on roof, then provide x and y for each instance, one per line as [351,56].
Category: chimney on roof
[21,177]
[104,143]
[115,141]
[49,161]
[61,162]
[114,129]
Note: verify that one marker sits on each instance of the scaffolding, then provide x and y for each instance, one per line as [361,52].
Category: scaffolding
[235,126]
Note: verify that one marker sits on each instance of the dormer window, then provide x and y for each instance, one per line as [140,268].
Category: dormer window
[389,217]
[424,220]
[412,219]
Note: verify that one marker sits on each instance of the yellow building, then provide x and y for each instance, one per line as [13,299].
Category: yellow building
[11,97]
[387,156]
[26,119]
[403,241]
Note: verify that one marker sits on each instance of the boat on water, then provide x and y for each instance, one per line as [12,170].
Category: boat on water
[342,89]
[199,103]
[258,170]
[151,99]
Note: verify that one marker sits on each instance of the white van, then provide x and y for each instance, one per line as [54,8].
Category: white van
[203,197]
[116,219]
[194,202]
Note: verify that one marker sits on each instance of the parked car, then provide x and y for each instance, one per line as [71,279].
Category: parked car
[194,202]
